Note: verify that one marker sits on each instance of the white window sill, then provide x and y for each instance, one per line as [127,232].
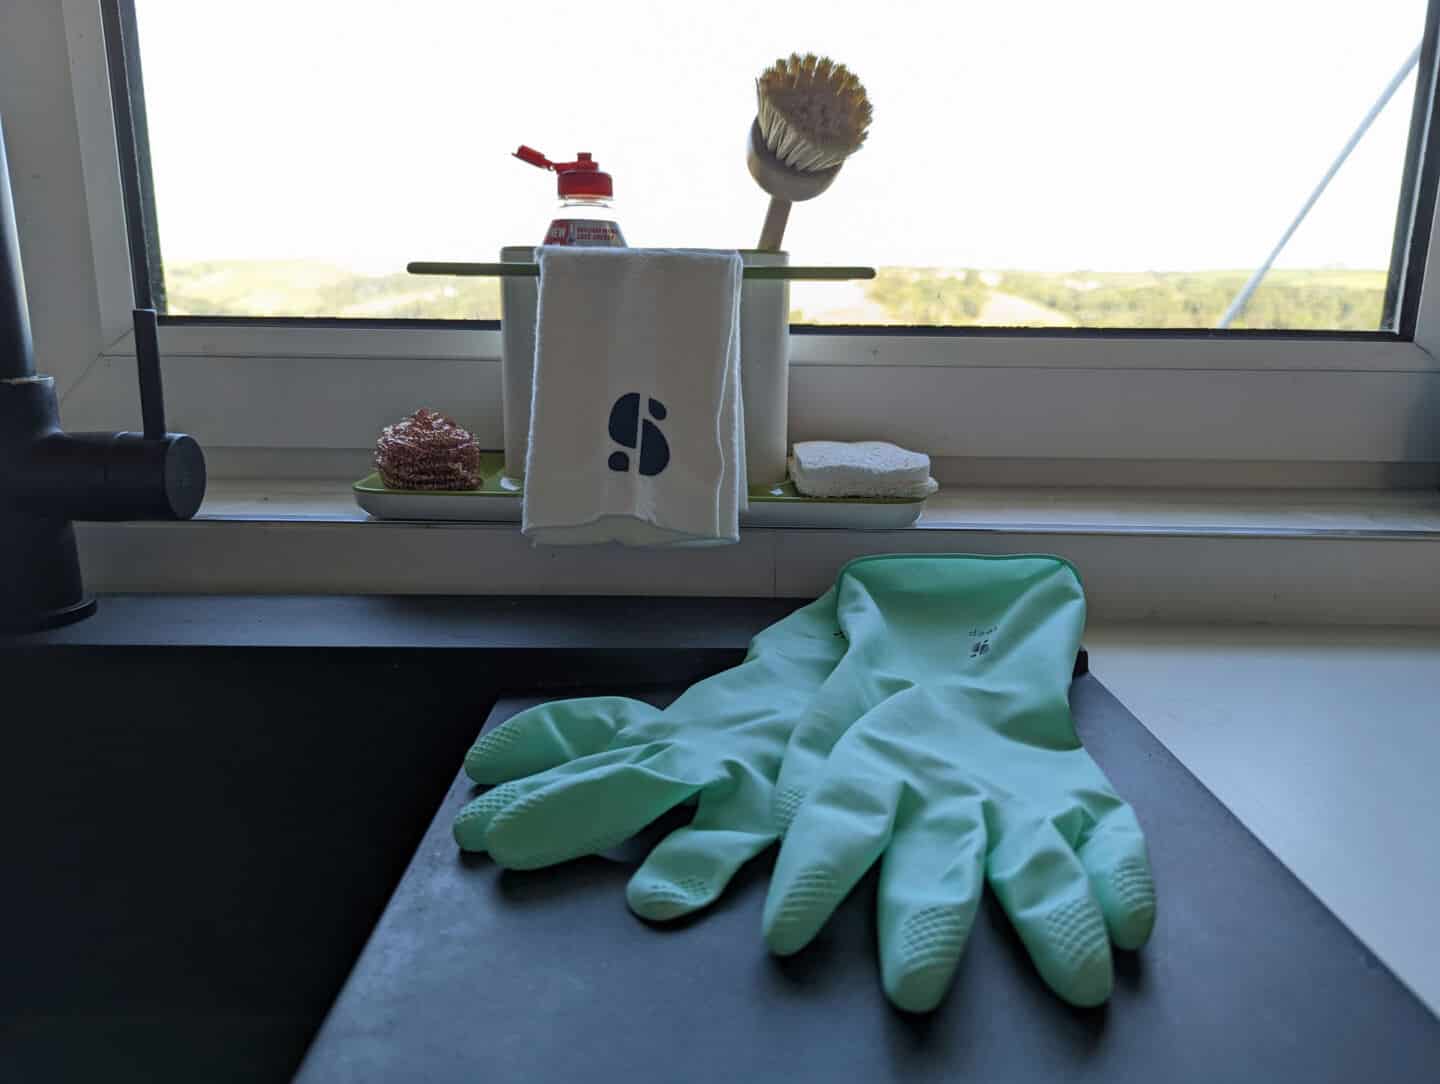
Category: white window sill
[1308,556]
[1250,513]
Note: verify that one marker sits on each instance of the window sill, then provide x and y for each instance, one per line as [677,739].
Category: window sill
[1110,511]
[1234,557]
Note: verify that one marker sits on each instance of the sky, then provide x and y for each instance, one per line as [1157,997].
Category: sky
[1113,135]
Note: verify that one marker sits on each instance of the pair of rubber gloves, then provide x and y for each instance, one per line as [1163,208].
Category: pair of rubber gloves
[916,715]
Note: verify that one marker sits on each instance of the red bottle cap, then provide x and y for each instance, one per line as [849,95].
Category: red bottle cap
[581,177]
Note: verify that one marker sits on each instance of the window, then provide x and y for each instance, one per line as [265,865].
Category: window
[323,387]
[1117,165]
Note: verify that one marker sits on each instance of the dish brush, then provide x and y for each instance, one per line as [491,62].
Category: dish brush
[812,115]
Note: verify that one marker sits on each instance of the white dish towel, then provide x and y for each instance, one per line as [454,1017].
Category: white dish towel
[636,431]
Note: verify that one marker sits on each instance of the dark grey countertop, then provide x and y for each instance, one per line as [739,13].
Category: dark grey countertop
[477,973]
[416,621]
[219,793]
[244,942]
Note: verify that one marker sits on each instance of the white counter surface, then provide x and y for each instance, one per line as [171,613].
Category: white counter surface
[1325,742]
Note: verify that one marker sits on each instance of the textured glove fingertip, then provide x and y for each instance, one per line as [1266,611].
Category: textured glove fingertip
[1092,986]
[1133,934]
[1127,897]
[469,829]
[785,805]
[661,900]
[783,942]
[919,960]
[1075,956]
[793,919]
[472,823]
[480,760]
[922,989]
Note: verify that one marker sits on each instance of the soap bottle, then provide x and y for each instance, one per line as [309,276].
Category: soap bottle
[586,212]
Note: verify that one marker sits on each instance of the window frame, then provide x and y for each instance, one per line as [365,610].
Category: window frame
[987,393]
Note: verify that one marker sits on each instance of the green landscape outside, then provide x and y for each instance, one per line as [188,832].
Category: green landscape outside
[1290,300]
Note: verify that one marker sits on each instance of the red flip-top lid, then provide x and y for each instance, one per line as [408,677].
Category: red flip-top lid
[581,177]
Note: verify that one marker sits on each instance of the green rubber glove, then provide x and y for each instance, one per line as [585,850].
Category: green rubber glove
[580,776]
[942,746]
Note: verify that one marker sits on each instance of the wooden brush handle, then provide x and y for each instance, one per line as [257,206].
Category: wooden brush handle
[772,234]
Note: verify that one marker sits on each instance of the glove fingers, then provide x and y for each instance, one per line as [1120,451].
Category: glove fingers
[472,823]
[931,880]
[1118,865]
[1043,888]
[837,835]
[584,814]
[689,869]
[828,718]
[549,734]
[691,866]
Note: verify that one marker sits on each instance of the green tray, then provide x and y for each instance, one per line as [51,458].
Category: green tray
[498,501]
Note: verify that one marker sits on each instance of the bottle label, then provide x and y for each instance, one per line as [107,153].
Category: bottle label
[584,231]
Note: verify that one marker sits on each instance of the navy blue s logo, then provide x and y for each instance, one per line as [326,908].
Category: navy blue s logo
[629,429]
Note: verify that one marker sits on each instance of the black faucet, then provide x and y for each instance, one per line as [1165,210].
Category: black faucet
[50,478]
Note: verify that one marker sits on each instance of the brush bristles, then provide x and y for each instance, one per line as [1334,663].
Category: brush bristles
[813,112]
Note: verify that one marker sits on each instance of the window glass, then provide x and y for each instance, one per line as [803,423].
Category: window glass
[1119,164]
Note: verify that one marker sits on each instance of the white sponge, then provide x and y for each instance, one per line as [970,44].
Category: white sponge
[867,468]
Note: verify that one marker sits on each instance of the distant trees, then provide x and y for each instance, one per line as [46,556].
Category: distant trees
[1323,300]
[917,296]
[298,288]
[1289,300]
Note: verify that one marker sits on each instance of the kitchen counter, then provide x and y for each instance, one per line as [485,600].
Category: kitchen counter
[228,737]
[543,975]
[1324,742]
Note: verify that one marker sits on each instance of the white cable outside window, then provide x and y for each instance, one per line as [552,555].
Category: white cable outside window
[1243,297]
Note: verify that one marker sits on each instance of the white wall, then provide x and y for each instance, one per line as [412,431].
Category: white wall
[41,139]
